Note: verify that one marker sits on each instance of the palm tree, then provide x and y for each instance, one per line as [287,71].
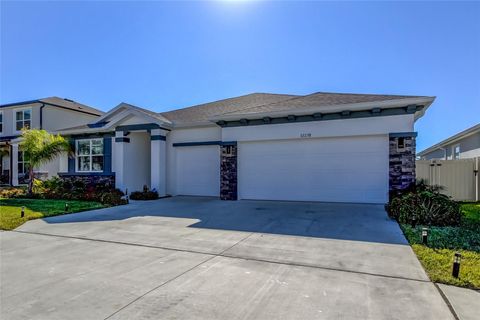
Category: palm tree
[41,147]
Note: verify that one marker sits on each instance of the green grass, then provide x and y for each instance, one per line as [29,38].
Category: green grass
[443,242]
[10,210]
[471,211]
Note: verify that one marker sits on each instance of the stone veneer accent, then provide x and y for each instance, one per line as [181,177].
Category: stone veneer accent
[107,180]
[228,172]
[401,162]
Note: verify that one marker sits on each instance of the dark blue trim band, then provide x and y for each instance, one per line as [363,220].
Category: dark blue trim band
[73,174]
[158,137]
[205,143]
[122,139]
[346,114]
[192,144]
[97,124]
[92,135]
[228,143]
[402,134]
[7,138]
[144,126]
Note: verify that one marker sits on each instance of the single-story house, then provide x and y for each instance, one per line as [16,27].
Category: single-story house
[318,147]
[463,145]
[51,114]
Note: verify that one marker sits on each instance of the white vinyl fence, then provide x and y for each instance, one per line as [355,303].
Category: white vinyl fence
[460,178]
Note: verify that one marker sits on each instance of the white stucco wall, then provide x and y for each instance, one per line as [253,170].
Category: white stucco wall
[9,118]
[137,161]
[469,148]
[213,133]
[318,129]
[57,118]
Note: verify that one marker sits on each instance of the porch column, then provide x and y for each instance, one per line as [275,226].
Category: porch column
[119,159]
[158,161]
[14,164]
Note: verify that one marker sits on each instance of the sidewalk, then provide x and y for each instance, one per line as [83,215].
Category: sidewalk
[465,302]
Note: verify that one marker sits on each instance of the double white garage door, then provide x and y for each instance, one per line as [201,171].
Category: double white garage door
[350,169]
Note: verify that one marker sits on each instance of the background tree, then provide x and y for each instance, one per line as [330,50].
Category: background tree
[41,147]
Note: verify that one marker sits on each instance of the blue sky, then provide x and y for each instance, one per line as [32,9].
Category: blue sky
[166,55]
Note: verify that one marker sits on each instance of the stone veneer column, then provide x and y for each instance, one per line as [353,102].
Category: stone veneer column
[228,171]
[401,161]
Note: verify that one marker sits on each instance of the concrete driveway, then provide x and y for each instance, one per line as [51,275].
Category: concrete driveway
[201,258]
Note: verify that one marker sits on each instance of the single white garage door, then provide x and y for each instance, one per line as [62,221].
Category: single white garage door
[198,170]
[346,169]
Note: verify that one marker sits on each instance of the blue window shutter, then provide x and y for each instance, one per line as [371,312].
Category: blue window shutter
[107,155]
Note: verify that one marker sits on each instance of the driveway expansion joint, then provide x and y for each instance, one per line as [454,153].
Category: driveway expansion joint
[174,278]
[226,255]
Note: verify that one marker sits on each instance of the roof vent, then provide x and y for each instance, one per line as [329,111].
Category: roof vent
[411,108]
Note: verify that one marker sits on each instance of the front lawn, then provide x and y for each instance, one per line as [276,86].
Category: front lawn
[443,242]
[10,210]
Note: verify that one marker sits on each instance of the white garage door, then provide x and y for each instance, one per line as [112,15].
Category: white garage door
[350,169]
[198,170]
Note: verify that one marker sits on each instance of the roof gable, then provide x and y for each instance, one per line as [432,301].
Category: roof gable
[127,113]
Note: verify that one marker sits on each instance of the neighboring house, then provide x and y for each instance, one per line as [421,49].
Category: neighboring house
[317,147]
[463,145]
[51,114]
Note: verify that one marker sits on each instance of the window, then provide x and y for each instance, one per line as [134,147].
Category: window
[456,151]
[400,143]
[1,121]
[23,163]
[89,155]
[23,119]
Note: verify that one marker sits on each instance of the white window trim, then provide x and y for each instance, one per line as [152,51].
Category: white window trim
[15,118]
[23,162]
[453,151]
[90,155]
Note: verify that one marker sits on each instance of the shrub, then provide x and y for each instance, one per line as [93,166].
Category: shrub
[57,188]
[113,198]
[427,205]
[144,195]
[13,192]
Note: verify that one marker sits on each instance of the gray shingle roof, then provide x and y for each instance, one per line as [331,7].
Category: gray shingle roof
[72,105]
[319,99]
[56,101]
[203,112]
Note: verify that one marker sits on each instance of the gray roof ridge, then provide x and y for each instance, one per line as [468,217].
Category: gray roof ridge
[215,101]
[269,104]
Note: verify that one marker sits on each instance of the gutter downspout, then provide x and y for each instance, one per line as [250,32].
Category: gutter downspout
[41,115]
